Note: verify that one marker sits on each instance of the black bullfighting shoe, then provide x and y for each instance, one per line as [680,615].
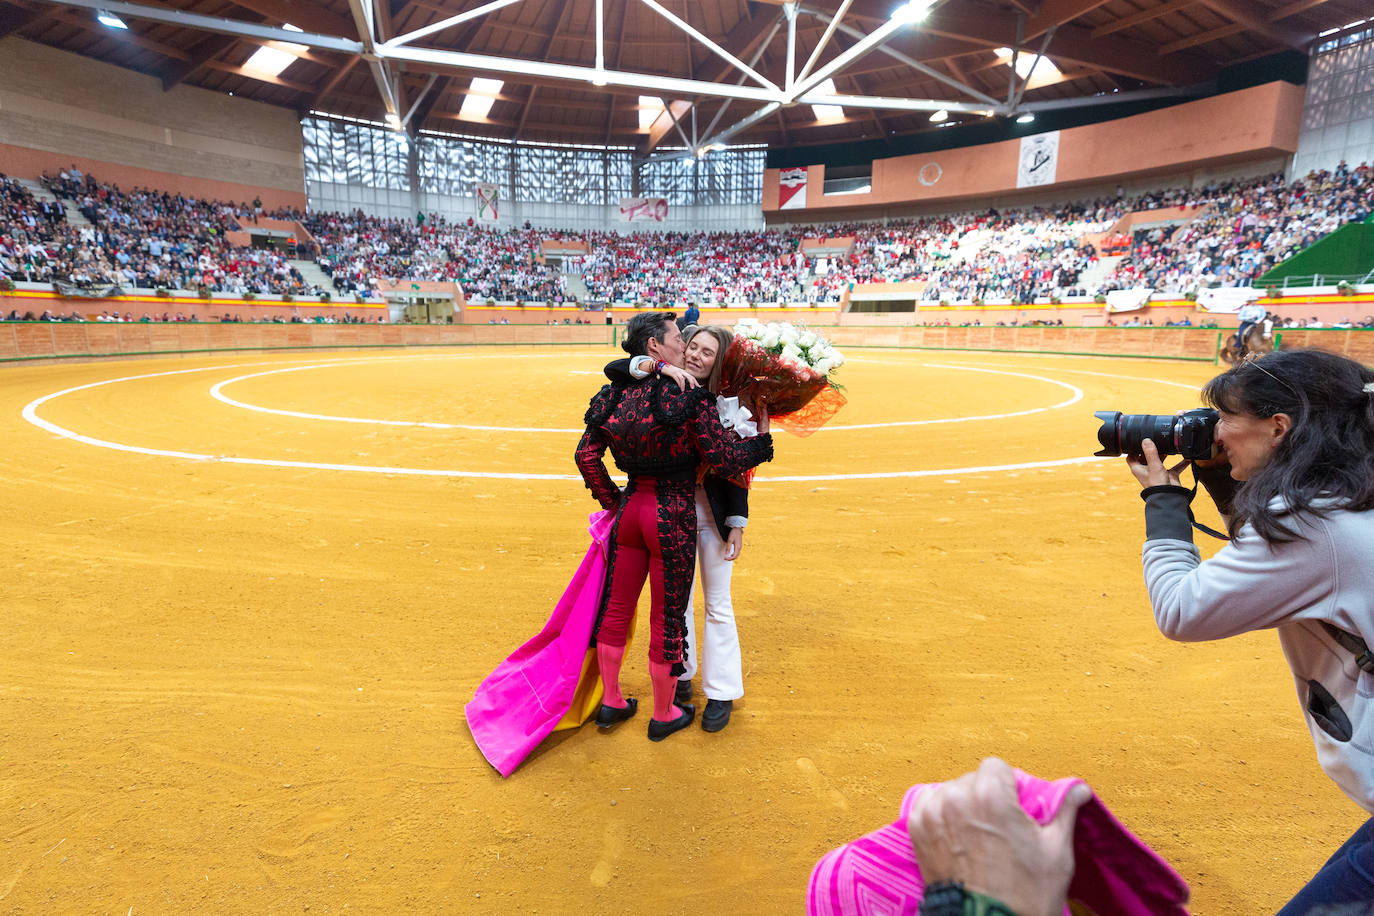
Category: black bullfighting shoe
[607,716]
[660,730]
[717,715]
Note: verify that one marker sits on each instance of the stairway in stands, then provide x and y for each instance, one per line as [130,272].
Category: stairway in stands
[1092,278]
[576,286]
[39,192]
[314,275]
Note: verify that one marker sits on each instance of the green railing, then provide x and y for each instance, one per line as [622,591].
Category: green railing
[1316,280]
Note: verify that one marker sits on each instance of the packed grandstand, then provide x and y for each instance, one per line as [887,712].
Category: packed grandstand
[93,234]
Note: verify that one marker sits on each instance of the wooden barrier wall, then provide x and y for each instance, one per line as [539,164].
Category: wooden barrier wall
[23,341]
[1155,343]
[265,308]
[1327,307]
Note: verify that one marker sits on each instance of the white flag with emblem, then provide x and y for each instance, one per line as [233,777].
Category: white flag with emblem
[1039,162]
[488,203]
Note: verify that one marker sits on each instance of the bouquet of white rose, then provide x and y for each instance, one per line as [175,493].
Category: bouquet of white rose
[787,368]
[789,342]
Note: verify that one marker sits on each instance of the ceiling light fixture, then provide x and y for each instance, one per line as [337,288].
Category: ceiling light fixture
[1025,118]
[106,18]
[941,115]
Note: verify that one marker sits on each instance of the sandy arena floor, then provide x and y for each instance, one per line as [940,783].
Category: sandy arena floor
[236,685]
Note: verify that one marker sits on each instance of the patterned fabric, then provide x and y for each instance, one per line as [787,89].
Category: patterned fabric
[653,430]
[1114,872]
[677,533]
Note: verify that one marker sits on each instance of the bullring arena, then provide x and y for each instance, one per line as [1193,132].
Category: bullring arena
[285,480]
[250,595]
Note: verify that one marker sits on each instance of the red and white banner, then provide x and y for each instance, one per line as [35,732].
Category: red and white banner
[643,209]
[488,203]
[792,189]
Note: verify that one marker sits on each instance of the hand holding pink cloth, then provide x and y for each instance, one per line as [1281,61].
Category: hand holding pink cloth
[1115,874]
[524,699]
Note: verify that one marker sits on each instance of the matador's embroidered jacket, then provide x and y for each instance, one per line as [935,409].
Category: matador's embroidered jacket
[654,430]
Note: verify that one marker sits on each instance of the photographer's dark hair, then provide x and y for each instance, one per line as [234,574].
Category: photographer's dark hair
[643,326]
[1329,449]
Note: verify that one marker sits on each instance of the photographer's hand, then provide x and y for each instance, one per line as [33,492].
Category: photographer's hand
[1150,470]
[974,830]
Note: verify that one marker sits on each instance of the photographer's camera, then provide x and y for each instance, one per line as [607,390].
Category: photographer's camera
[1188,434]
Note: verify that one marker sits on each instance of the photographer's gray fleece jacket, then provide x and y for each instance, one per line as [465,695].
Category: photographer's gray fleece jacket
[1325,576]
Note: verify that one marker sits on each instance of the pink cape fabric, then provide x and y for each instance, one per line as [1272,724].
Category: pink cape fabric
[523,700]
[1115,874]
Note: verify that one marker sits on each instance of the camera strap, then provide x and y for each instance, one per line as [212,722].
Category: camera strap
[1197,524]
[1353,644]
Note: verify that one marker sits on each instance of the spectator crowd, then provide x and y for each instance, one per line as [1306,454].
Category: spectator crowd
[1221,234]
[142,238]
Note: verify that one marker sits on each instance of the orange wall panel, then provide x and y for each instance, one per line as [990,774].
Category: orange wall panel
[22,162]
[1358,346]
[1255,123]
[35,343]
[68,338]
[42,340]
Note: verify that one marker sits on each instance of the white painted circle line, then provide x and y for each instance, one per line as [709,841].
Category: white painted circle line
[939,472]
[1125,378]
[30,414]
[217,392]
[1076,396]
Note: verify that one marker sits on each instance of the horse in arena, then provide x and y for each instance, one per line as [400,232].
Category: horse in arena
[1257,343]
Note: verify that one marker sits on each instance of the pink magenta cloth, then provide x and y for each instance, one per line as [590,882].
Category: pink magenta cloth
[1115,874]
[521,702]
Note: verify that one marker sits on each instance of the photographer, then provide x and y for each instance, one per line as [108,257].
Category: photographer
[1296,429]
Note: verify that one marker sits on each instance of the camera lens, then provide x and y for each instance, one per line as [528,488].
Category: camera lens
[1189,434]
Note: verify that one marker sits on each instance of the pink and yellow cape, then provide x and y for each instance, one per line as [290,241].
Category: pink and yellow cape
[551,682]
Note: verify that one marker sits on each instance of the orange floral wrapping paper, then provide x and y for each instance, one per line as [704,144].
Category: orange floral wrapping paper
[800,398]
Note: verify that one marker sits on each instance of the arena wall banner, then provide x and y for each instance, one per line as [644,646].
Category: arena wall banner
[1128,300]
[643,209]
[75,291]
[792,189]
[1039,160]
[1226,299]
[488,202]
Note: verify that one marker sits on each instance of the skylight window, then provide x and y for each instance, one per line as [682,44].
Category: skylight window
[273,60]
[481,96]
[827,114]
[650,108]
[1046,73]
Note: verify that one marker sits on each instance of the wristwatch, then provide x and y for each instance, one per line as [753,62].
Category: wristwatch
[950,898]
